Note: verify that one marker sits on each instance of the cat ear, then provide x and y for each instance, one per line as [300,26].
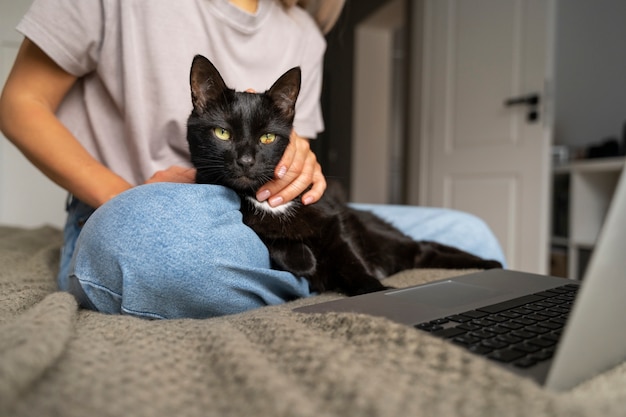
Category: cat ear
[285,91]
[206,82]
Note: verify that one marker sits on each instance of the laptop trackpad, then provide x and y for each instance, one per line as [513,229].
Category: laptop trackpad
[445,294]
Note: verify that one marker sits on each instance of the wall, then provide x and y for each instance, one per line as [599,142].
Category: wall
[27,197]
[590,76]
[334,146]
[378,114]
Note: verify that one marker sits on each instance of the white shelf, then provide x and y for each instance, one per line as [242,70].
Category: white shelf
[591,185]
[592,165]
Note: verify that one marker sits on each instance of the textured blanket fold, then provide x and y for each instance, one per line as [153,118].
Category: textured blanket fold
[58,360]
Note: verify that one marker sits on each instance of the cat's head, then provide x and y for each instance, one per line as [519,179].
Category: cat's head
[236,139]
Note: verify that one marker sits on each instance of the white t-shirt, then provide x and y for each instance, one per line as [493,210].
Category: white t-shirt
[130,106]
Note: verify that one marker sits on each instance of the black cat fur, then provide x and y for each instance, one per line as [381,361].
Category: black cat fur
[335,247]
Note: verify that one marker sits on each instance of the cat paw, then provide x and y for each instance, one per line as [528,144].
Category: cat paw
[491,264]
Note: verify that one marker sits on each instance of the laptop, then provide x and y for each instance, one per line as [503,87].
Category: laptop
[557,331]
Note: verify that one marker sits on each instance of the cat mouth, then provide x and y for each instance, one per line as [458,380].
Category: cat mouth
[244,183]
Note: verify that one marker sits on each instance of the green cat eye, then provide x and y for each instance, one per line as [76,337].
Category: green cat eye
[268,138]
[221,133]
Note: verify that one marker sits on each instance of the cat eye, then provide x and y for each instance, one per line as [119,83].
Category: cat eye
[221,133]
[268,138]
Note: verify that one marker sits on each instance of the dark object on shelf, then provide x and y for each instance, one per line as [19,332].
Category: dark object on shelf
[584,256]
[558,261]
[606,149]
[560,205]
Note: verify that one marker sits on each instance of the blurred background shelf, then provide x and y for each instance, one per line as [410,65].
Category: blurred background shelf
[582,193]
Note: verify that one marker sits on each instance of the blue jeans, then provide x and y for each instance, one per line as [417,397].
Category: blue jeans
[181,251]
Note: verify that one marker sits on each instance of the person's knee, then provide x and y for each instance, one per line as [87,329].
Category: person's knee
[174,251]
[477,236]
[469,223]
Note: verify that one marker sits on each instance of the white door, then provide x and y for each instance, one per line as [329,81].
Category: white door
[479,155]
[27,197]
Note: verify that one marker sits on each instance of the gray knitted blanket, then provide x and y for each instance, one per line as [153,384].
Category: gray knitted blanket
[58,360]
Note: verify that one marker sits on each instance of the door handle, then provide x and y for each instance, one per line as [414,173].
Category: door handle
[531,100]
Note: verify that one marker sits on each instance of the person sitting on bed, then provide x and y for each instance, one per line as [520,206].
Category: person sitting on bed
[98,99]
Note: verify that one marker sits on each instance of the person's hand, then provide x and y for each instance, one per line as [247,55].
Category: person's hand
[174,174]
[297,170]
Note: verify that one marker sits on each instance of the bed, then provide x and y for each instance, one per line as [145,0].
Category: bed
[56,359]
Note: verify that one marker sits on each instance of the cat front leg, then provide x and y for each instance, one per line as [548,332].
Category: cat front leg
[299,259]
[294,257]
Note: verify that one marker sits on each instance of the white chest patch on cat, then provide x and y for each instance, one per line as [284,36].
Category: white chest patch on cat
[264,207]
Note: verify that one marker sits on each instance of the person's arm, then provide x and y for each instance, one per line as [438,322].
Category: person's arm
[33,91]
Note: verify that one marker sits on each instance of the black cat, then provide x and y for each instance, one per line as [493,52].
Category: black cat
[236,140]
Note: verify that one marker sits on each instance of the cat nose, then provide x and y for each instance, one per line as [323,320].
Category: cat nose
[246,161]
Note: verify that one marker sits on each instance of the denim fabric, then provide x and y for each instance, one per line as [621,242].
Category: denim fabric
[176,250]
[77,215]
[181,250]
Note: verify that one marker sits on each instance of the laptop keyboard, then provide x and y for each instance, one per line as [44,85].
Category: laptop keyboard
[523,331]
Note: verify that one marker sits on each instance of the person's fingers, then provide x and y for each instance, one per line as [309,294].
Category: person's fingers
[317,190]
[293,158]
[295,173]
[294,183]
